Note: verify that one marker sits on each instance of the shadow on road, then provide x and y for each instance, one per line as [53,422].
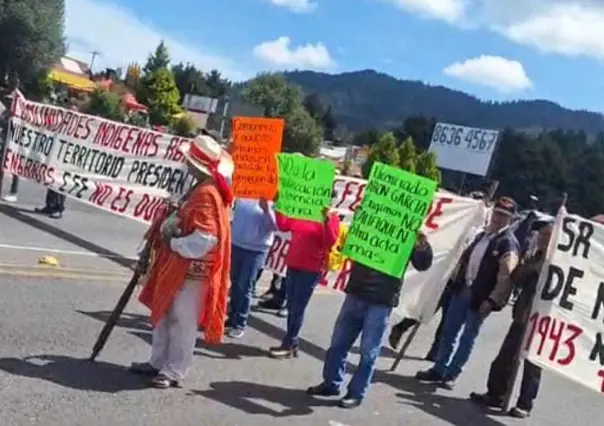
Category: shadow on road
[20,215]
[248,397]
[73,373]
[139,326]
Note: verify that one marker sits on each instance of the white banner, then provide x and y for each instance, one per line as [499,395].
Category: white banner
[119,168]
[465,149]
[565,332]
[447,226]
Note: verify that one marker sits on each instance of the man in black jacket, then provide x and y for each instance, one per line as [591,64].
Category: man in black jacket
[481,285]
[370,298]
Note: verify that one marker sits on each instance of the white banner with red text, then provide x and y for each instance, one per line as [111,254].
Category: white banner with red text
[565,331]
[448,224]
[117,167]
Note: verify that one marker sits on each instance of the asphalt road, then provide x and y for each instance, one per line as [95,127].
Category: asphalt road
[51,318]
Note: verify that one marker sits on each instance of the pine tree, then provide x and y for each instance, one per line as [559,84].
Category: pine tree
[384,152]
[426,166]
[407,155]
[158,59]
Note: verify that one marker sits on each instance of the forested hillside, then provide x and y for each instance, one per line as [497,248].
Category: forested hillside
[364,99]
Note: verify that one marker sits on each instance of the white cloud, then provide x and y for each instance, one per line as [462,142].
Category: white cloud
[122,38]
[496,72]
[279,53]
[298,6]
[568,27]
[446,10]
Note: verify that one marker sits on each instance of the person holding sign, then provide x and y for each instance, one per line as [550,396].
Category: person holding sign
[306,258]
[525,278]
[370,297]
[252,227]
[188,282]
[481,285]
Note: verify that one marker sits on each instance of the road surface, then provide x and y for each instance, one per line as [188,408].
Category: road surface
[51,318]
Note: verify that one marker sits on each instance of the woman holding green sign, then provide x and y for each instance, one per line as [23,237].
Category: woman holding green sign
[310,245]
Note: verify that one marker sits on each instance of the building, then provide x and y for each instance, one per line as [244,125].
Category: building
[72,73]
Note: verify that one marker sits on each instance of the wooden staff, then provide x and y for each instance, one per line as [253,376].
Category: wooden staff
[115,315]
[152,234]
[507,400]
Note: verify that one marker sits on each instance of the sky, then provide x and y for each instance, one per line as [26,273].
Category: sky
[498,50]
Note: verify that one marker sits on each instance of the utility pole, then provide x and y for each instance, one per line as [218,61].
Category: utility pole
[224,116]
[94,53]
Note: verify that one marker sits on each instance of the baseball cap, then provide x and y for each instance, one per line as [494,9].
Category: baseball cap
[506,206]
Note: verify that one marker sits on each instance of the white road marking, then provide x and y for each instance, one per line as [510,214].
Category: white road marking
[68,252]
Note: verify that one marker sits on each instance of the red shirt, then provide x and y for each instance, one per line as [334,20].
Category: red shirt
[311,242]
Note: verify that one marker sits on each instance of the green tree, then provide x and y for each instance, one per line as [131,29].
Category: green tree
[184,126]
[190,80]
[426,166]
[279,99]
[302,134]
[218,86]
[159,59]
[31,38]
[314,107]
[106,104]
[383,152]
[160,94]
[367,138]
[329,124]
[38,88]
[407,156]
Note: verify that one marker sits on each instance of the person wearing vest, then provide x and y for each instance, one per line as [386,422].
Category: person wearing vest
[188,282]
[481,285]
[370,297]
[524,277]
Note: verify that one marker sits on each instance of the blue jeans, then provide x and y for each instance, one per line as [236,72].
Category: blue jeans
[299,286]
[245,265]
[356,317]
[459,334]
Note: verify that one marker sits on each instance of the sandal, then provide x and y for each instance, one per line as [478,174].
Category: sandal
[161,381]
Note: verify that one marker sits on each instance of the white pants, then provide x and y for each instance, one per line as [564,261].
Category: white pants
[176,333]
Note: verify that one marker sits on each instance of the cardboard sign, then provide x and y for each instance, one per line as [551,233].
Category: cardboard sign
[305,186]
[383,231]
[255,143]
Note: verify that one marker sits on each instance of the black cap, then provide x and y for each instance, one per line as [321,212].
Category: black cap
[506,206]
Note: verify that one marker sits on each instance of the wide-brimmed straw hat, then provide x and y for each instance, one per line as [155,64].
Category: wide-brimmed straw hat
[205,154]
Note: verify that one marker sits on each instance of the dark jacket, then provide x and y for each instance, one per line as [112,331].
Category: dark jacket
[378,288]
[525,277]
[486,278]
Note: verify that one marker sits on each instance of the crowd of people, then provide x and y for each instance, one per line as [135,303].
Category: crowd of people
[204,255]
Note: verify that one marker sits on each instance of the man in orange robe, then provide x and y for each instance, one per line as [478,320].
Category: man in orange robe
[188,282]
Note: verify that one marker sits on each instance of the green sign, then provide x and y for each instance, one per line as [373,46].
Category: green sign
[383,231]
[305,186]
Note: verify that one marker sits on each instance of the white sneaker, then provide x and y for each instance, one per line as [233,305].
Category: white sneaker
[10,198]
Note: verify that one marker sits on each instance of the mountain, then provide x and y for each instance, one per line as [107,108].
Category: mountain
[365,99]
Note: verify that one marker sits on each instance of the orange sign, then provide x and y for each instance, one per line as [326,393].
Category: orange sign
[255,143]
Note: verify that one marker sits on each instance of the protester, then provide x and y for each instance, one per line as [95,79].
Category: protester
[305,261]
[252,232]
[481,285]
[370,297]
[525,277]
[188,282]
[54,204]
